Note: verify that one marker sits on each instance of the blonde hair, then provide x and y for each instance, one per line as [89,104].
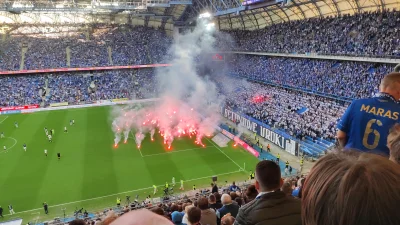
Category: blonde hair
[352,188]
[393,143]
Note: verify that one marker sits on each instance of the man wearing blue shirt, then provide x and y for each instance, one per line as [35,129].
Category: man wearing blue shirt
[365,124]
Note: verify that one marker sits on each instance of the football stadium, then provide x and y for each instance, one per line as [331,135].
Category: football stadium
[199,112]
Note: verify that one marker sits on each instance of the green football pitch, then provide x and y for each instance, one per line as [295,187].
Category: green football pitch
[92,172]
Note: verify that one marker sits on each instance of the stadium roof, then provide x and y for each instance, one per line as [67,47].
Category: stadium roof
[267,12]
[229,14]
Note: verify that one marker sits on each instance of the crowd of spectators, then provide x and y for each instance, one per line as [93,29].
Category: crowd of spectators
[76,87]
[343,187]
[279,107]
[367,34]
[105,46]
[216,205]
[337,78]
[20,90]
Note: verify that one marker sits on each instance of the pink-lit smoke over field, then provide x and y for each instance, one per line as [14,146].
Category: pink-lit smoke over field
[188,104]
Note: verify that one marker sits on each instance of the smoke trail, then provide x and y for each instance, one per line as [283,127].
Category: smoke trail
[189,102]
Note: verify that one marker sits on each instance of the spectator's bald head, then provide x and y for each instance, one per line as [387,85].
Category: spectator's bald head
[391,84]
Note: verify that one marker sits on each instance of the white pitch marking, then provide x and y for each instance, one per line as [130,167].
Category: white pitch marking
[15,142]
[225,154]
[105,196]
[134,139]
[4,119]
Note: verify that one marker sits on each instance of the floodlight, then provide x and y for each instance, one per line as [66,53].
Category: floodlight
[205,15]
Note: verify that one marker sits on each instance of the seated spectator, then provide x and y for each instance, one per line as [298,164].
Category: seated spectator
[250,194]
[352,188]
[176,218]
[208,216]
[271,205]
[228,207]
[213,203]
[233,187]
[194,216]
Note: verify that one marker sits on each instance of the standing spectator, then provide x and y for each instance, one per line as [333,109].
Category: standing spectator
[208,216]
[213,204]
[176,218]
[251,193]
[233,187]
[228,207]
[227,220]
[194,216]
[1,212]
[287,189]
[296,192]
[46,208]
[366,122]
[214,188]
[393,143]
[352,188]
[271,205]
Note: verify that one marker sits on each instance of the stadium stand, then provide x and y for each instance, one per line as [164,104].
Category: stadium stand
[364,34]
[339,79]
[109,45]
[76,87]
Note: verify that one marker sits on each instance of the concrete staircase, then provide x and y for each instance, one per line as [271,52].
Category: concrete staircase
[68,52]
[22,62]
[148,54]
[109,50]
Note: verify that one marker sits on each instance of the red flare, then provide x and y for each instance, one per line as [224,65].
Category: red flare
[152,139]
[115,146]
[138,146]
[203,145]
[235,145]
[169,147]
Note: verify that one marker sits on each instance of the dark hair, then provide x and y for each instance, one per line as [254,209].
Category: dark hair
[352,188]
[212,198]
[233,195]
[217,196]
[173,208]
[268,175]
[77,222]
[194,215]
[239,201]
[251,193]
[157,210]
[202,203]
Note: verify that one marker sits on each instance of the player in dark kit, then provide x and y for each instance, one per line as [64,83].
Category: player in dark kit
[365,124]
[59,156]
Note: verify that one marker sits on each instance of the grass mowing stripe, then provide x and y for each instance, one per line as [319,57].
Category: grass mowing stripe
[140,189]
[175,151]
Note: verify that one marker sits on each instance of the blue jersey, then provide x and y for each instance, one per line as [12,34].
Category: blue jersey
[366,123]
